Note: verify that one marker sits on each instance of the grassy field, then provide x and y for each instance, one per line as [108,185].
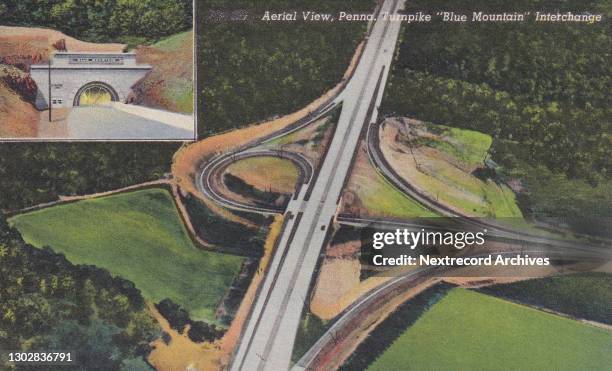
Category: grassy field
[138,236]
[470,146]
[469,331]
[266,173]
[310,330]
[378,198]
[474,196]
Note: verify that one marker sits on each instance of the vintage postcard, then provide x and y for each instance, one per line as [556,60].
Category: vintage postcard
[379,185]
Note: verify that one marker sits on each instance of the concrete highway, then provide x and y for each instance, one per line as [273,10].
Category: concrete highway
[268,338]
[110,123]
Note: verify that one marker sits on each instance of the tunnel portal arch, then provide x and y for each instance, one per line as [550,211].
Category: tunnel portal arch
[97,87]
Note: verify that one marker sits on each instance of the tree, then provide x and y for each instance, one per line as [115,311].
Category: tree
[176,316]
[202,331]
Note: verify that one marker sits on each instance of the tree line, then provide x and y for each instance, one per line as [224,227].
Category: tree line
[34,173]
[585,295]
[102,20]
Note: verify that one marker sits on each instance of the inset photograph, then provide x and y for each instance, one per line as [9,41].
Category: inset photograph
[79,73]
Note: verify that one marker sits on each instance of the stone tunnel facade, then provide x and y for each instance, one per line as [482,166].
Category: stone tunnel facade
[72,73]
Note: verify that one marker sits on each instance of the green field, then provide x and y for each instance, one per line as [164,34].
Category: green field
[470,146]
[138,236]
[382,199]
[471,331]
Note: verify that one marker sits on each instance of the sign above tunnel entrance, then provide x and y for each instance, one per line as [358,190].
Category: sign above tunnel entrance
[96,60]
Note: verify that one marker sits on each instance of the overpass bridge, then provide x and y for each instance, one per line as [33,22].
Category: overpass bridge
[74,74]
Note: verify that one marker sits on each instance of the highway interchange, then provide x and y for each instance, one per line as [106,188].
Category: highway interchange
[269,333]
[267,341]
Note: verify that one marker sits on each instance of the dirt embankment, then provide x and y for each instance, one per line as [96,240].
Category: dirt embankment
[180,353]
[18,118]
[336,279]
[18,81]
[24,46]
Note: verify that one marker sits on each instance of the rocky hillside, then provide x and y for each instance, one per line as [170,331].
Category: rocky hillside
[18,118]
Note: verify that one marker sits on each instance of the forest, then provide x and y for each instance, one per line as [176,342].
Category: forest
[541,91]
[47,303]
[34,173]
[253,70]
[124,21]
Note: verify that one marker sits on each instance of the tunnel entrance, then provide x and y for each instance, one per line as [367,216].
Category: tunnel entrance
[95,93]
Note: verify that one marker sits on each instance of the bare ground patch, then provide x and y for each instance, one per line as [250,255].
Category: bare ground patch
[267,174]
[180,353]
[336,278]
